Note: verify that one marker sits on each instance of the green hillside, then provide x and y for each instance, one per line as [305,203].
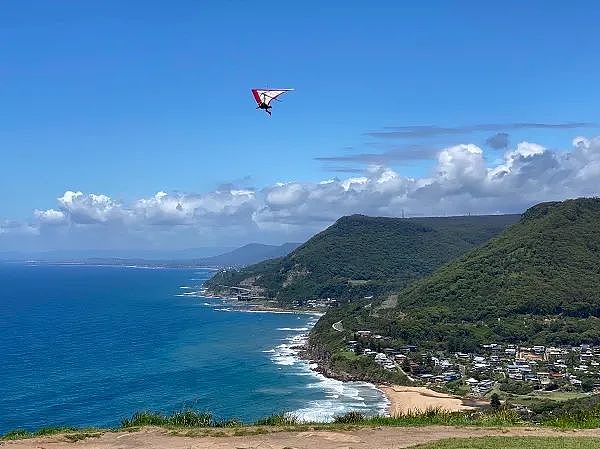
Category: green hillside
[538,282]
[363,256]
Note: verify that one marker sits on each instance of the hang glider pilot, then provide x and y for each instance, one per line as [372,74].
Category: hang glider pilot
[264,97]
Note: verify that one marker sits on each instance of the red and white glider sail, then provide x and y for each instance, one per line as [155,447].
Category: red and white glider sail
[265,96]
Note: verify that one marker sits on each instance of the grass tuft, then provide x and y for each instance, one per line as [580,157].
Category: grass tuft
[183,418]
[580,419]
[19,434]
[202,422]
[437,416]
[278,420]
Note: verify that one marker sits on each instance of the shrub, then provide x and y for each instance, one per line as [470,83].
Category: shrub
[278,419]
[495,400]
[351,417]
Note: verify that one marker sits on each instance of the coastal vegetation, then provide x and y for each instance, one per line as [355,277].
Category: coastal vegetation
[200,423]
[71,433]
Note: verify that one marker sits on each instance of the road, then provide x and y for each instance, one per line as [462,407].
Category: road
[338,326]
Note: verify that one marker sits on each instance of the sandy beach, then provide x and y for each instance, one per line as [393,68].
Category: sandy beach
[409,399]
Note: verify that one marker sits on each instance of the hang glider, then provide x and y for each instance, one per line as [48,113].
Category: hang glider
[264,97]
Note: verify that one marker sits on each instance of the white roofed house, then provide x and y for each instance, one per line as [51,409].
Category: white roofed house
[380,358]
[544,377]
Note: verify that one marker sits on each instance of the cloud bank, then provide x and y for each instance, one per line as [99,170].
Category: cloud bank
[461,182]
[423,131]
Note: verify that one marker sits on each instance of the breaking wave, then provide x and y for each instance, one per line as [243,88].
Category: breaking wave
[340,397]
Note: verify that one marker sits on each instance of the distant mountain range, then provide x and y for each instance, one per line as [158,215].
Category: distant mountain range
[205,257]
[250,254]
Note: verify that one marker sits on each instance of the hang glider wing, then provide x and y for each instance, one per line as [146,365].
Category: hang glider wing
[265,96]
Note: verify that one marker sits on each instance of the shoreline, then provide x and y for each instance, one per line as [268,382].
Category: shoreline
[257,306]
[396,399]
[262,307]
[410,399]
[343,395]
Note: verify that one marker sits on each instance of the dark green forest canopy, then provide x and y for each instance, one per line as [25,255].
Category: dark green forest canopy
[538,282]
[548,264]
[362,256]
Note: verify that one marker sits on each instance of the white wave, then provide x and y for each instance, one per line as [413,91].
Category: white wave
[223,309]
[338,397]
[268,311]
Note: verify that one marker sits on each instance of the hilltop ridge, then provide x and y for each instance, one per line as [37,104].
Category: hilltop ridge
[361,256]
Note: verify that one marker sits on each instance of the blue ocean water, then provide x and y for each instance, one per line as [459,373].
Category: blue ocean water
[90,345]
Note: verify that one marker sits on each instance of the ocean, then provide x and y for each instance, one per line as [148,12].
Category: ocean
[91,345]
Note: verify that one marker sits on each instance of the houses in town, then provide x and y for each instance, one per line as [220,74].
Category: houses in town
[537,367]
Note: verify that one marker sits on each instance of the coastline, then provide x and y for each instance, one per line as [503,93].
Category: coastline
[396,399]
[256,306]
[341,395]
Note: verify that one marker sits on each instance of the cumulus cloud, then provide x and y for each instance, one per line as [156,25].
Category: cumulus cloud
[50,216]
[89,208]
[461,182]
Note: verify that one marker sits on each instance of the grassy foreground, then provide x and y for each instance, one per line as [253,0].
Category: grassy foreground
[514,443]
[203,423]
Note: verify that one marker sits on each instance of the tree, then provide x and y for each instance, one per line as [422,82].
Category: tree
[587,385]
[495,400]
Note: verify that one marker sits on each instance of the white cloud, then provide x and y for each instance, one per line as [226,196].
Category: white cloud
[461,182]
[16,228]
[91,208]
[50,216]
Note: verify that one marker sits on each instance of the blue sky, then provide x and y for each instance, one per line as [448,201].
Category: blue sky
[126,99]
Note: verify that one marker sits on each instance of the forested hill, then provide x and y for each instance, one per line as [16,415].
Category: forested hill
[362,256]
[548,264]
[536,283]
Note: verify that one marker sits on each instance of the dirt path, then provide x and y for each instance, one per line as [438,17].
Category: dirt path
[367,438]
